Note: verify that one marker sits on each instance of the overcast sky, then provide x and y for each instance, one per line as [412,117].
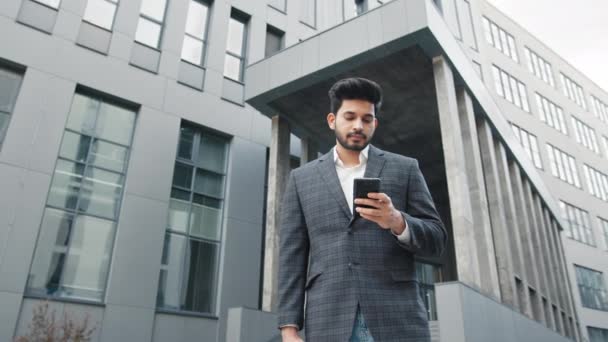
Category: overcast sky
[575,30]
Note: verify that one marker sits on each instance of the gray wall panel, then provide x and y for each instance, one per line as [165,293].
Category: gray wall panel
[94,38]
[134,271]
[125,323]
[67,25]
[37,15]
[145,57]
[10,303]
[233,91]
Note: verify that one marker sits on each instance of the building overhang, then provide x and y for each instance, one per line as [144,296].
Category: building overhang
[293,83]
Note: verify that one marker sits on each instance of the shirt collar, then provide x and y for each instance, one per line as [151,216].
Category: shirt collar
[362,156]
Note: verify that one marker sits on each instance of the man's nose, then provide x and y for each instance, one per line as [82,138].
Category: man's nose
[358,125]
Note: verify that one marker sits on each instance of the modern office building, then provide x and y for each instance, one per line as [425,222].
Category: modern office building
[144,145]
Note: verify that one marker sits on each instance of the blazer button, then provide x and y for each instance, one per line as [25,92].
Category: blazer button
[350,265]
[350,232]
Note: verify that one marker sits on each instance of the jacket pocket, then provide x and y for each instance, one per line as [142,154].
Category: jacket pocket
[312,276]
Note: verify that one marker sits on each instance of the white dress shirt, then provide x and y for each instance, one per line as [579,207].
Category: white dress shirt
[346,175]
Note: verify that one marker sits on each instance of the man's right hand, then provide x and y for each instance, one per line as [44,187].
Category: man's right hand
[290,334]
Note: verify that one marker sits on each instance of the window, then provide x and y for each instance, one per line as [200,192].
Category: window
[585,135]
[236,46]
[500,39]
[190,260]
[101,13]
[150,26]
[539,67]
[281,5]
[578,224]
[591,287]
[511,89]
[195,38]
[597,182]
[573,91]
[74,249]
[604,228]
[428,275]
[563,166]
[529,143]
[600,109]
[51,3]
[308,12]
[10,83]
[468,30]
[597,334]
[274,40]
[551,114]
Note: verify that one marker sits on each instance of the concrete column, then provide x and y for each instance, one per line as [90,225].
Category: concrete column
[525,225]
[561,259]
[512,217]
[500,230]
[477,190]
[309,150]
[456,175]
[278,170]
[554,276]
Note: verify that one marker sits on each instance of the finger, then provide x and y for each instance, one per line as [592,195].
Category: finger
[379,196]
[371,202]
[370,212]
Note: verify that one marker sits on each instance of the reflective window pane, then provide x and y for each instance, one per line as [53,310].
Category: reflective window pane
[66,184]
[201,268]
[196,23]
[108,156]
[154,9]
[115,124]
[88,260]
[52,245]
[178,215]
[212,153]
[192,51]
[182,176]
[186,141]
[209,183]
[50,3]
[10,82]
[83,114]
[232,67]
[75,146]
[4,120]
[148,33]
[172,272]
[101,193]
[236,31]
[205,221]
[100,13]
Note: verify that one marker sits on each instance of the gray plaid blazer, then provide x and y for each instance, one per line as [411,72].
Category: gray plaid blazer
[337,262]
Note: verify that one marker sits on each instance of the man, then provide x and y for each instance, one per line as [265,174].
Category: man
[358,273]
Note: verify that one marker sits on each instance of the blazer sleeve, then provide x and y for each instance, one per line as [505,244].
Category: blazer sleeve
[293,257]
[428,236]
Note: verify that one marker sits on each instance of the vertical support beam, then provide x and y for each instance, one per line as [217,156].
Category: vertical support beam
[309,150]
[500,230]
[561,258]
[554,278]
[477,190]
[456,175]
[278,168]
[512,216]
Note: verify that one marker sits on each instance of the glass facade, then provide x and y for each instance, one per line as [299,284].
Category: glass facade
[592,288]
[510,88]
[101,13]
[190,260]
[500,39]
[578,223]
[150,25]
[551,114]
[10,83]
[195,38]
[236,47]
[74,248]
[529,143]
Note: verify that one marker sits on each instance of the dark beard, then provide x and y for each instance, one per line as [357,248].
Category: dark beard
[346,145]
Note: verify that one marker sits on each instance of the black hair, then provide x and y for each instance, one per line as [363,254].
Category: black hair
[355,88]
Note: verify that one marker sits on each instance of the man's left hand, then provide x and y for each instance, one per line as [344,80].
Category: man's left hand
[381,212]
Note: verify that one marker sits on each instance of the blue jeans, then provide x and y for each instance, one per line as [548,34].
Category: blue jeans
[360,331]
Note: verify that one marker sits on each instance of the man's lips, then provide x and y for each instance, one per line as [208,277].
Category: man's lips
[356,136]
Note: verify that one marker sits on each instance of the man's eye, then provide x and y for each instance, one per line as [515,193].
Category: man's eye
[368,120]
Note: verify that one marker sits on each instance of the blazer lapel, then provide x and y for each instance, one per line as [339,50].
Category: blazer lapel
[327,169]
[375,162]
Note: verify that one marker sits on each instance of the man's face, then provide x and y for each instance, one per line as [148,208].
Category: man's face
[354,124]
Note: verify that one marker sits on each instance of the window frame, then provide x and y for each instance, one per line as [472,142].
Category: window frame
[161,32]
[243,19]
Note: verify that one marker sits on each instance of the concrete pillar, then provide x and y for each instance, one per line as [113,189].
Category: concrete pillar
[525,224]
[511,217]
[500,230]
[554,275]
[456,175]
[561,258]
[278,170]
[309,150]
[477,191]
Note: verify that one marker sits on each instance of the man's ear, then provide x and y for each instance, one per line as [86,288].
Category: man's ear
[331,121]
[375,122]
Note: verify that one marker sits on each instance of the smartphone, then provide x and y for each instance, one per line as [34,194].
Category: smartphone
[361,187]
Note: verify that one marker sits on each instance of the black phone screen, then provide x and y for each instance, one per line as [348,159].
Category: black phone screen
[363,186]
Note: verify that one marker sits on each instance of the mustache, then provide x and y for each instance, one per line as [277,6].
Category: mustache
[356,133]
